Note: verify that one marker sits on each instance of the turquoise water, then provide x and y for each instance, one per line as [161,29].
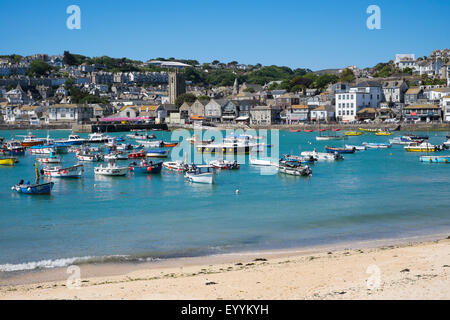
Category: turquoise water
[373,194]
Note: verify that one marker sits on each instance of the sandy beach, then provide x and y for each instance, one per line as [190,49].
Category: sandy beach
[408,271]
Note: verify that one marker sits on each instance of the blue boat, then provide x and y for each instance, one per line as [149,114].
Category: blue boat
[37,188]
[440,159]
[27,188]
[147,167]
[339,150]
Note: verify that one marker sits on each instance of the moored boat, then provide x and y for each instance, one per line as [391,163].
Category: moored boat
[357,148]
[224,164]
[50,159]
[74,171]
[111,169]
[157,153]
[421,147]
[90,157]
[353,133]
[376,145]
[437,159]
[339,150]
[323,156]
[147,167]
[383,133]
[196,140]
[97,137]
[41,149]
[37,188]
[117,155]
[294,168]
[201,174]
[176,166]
[8,161]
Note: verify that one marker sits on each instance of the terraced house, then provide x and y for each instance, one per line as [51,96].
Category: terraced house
[71,113]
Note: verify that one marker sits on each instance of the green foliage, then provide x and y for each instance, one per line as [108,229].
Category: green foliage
[269,73]
[38,68]
[185,97]
[221,78]
[194,75]
[250,89]
[407,70]
[203,98]
[384,70]
[347,75]
[84,98]
[432,81]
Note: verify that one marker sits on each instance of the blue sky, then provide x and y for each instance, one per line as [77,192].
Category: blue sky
[314,34]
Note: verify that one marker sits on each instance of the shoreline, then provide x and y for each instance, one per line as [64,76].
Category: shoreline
[96,278]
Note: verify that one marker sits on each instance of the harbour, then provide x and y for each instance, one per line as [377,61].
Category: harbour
[147,217]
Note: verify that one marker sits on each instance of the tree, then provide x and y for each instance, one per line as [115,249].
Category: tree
[185,97]
[215,62]
[69,59]
[38,68]
[250,89]
[347,75]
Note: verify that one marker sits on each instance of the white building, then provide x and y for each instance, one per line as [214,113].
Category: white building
[405,60]
[367,94]
[68,113]
[438,93]
[445,104]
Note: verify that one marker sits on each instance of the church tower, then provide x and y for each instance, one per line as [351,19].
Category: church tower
[177,86]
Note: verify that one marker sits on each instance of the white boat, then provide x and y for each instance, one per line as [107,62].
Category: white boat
[73,140]
[322,156]
[42,149]
[447,143]
[176,166]
[224,164]
[98,138]
[51,159]
[262,162]
[82,156]
[201,174]
[376,145]
[111,169]
[294,168]
[357,148]
[150,143]
[75,171]
[116,156]
[402,140]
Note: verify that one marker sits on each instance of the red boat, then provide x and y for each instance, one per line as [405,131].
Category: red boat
[169,144]
[336,129]
[308,130]
[322,130]
[295,130]
[134,155]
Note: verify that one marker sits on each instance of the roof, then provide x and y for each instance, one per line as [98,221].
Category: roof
[64,105]
[367,110]
[422,106]
[29,108]
[415,90]
[447,89]
[320,108]
[299,106]
[368,83]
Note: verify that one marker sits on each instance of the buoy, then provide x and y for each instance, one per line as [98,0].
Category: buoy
[237,191]
[95,185]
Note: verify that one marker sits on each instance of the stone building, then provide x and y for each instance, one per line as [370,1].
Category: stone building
[177,86]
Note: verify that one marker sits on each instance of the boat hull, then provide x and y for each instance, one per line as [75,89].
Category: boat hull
[43,188]
[147,169]
[70,172]
[7,162]
[436,159]
[206,178]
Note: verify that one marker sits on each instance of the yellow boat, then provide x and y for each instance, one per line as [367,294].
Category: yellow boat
[383,133]
[7,161]
[353,133]
[422,147]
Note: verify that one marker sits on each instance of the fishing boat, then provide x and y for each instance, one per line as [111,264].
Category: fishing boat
[73,140]
[147,167]
[30,140]
[322,156]
[37,188]
[231,145]
[357,148]
[97,137]
[421,147]
[403,140]
[12,148]
[416,137]
[225,164]
[42,149]
[178,166]
[321,130]
[330,137]
[376,145]
[339,150]
[353,133]
[169,144]
[139,136]
[90,157]
[111,169]
[157,153]
[195,140]
[308,130]
[137,154]
[294,168]
[117,155]
[295,130]
[151,143]
[50,159]
[383,133]
[8,161]
[201,174]
[75,171]
[262,162]
[447,143]
[437,159]
[301,159]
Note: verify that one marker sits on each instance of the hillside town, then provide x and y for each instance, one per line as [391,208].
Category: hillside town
[41,90]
